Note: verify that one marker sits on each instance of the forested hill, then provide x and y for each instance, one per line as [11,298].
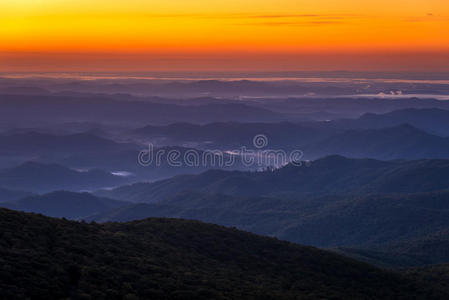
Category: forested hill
[46,258]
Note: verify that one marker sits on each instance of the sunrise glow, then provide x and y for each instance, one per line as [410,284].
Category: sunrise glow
[134,35]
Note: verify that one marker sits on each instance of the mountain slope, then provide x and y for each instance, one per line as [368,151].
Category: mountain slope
[176,259]
[236,135]
[39,177]
[12,195]
[432,120]
[157,164]
[107,109]
[330,175]
[437,275]
[350,221]
[400,142]
[64,204]
[34,143]
[426,250]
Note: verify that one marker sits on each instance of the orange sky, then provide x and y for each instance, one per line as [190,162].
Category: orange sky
[96,35]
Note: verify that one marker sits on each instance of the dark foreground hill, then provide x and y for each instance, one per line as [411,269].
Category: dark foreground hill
[45,258]
[438,275]
[392,230]
[429,249]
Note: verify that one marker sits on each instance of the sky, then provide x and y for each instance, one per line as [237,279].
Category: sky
[250,35]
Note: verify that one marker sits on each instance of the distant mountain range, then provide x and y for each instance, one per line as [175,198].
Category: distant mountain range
[328,176]
[88,151]
[42,144]
[158,163]
[178,259]
[404,134]
[432,120]
[314,139]
[400,142]
[200,108]
[37,177]
[54,109]
[235,135]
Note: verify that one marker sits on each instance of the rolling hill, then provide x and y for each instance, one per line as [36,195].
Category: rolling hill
[44,109]
[235,135]
[400,142]
[34,143]
[431,120]
[431,249]
[402,134]
[374,222]
[158,165]
[177,259]
[327,176]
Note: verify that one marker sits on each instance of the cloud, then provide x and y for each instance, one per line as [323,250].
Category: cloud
[429,17]
[295,20]
[252,16]
[298,23]
[298,16]
[284,16]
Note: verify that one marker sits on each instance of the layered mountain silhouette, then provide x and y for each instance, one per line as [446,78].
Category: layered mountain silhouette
[405,134]
[107,109]
[157,162]
[328,176]
[235,135]
[432,120]
[35,143]
[400,142]
[325,222]
[319,204]
[314,139]
[371,190]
